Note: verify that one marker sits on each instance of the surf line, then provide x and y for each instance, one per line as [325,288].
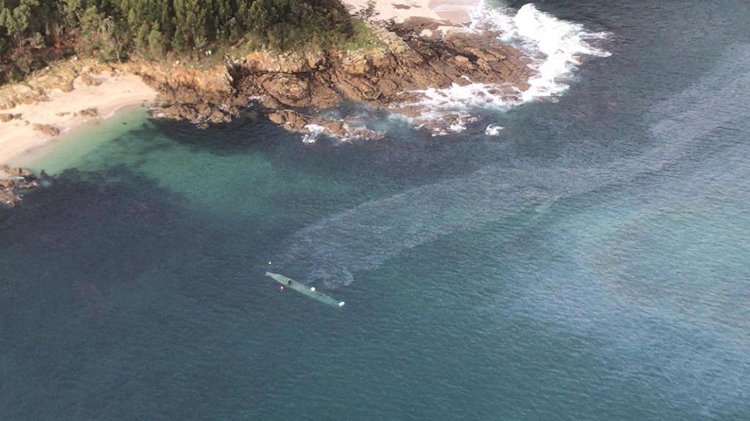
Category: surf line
[303,289]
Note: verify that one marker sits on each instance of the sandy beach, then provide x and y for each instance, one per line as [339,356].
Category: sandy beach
[448,12]
[454,11]
[63,111]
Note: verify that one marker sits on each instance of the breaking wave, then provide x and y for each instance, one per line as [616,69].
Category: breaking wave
[555,46]
[315,131]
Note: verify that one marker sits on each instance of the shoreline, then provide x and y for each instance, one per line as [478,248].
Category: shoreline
[50,111]
[73,146]
[427,64]
[456,11]
[63,97]
[55,112]
[53,103]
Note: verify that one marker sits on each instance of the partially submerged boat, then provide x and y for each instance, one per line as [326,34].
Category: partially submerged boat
[304,289]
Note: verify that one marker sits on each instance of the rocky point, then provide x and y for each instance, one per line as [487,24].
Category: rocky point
[13,182]
[297,89]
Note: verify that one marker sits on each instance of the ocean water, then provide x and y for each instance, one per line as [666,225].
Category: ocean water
[589,261]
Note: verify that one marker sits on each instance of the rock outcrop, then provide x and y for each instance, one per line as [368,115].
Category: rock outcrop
[60,75]
[316,125]
[409,60]
[202,96]
[90,80]
[89,112]
[13,182]
[293,87]
[6,117]
[46,129]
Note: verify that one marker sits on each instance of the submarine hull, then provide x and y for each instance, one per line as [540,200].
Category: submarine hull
[305,290]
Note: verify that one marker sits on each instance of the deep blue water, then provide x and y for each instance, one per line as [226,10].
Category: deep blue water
[591,262]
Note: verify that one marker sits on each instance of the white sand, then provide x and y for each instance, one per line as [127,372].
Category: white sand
[455,11]
[115,92]
[448,12]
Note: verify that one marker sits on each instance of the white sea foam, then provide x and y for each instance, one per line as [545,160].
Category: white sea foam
[436,102]
[315,130]
[555,46]
[457,127]
[493,130]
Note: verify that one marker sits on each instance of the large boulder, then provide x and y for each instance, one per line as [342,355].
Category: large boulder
[89,112]
[288,89]
[57,77]
[46,129]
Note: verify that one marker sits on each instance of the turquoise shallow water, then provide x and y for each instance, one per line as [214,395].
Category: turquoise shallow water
[592,262]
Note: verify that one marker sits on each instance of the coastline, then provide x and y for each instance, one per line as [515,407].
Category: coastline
[428,65]
[75,147]
[70,95]
[48,111]
[56,112]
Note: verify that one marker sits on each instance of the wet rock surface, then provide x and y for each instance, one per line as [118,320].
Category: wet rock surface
[409,60]
[313,125]
[13,182]
[392,76]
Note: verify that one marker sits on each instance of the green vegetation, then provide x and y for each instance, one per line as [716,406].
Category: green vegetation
[362,37]
[33,32]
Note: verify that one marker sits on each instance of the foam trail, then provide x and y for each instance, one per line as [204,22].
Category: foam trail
[704,362]
[364,237]
[400,222]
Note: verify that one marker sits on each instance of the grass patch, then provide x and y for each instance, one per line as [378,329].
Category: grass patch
[363,37]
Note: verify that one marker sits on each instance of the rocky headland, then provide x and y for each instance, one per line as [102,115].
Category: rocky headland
[297,89]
